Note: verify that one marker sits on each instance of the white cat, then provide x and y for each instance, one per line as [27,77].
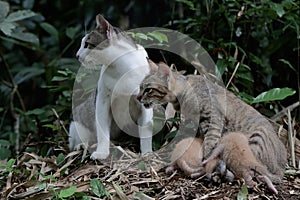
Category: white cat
[123,67]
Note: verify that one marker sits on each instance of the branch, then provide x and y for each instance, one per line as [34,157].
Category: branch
[233,74]
[14,88]
[283,111]
[291,138]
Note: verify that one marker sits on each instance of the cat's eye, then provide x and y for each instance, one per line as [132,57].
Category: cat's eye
[87,44]
[148,90]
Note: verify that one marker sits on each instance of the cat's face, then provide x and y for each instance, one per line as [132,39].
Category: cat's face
[152,93]
[90,46]
[154,88]
[104,44]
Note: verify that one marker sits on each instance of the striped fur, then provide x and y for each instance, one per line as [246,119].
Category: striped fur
[217,111]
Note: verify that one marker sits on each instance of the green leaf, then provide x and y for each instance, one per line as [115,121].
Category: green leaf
[60,159]
[7,165]
[28,73]
[53,127]
[48,177]
[24,36]
[142,165]
[288,64]
[274,94]
[175,119]
[71,32]
[4,9]
[7,27]
[243,193]
[188,3]
[86,198]
[4,143]
[50,29]
[98,188]
[59,78]
[28,4]
[37,111]
[159,36]
[11,162]
[171,135]
[63,72]
[67,192]
[141,36]
[19,15]
[222,65]
[5,153]
[278,8]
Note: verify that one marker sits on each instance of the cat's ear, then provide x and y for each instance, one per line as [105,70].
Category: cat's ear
[153,66]
[164,69]
[102,25]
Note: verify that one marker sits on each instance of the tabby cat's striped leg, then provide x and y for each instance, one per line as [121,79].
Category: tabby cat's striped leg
[211,139]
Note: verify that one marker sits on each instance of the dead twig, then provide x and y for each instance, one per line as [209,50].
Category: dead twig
[60,122]
[291,138]
[233,74]
[283,111]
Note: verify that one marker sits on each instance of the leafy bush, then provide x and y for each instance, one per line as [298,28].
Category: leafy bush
[39,39]
[37,80]
[261,36]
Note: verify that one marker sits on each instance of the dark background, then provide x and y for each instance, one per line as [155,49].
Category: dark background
[37,78]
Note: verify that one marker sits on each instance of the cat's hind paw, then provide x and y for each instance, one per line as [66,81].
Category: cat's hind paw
[99,155]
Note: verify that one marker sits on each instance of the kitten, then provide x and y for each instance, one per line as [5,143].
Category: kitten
[122,65]
[187,156]
[216,111]
[235,151]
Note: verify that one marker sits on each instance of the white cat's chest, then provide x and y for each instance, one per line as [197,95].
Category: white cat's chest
[125,73]
[123,65]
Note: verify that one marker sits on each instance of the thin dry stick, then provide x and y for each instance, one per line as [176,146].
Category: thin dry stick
[233,74]
[60,122]
[291,138]
[283,111]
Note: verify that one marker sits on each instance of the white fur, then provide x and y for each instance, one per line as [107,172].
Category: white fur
[81,137]
[125,66]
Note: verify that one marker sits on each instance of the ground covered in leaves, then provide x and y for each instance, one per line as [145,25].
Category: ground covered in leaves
[75,176]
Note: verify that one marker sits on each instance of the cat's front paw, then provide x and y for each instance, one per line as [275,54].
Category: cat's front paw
[99,155]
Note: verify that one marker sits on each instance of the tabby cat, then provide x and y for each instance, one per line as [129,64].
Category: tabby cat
[216,111]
